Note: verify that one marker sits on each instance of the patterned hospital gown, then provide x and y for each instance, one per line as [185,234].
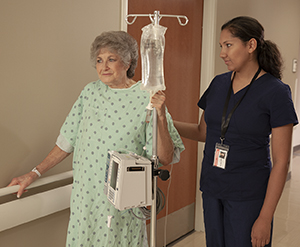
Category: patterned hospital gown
[105,119]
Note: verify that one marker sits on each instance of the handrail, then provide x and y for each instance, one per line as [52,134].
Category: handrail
[33,207]
[40,182]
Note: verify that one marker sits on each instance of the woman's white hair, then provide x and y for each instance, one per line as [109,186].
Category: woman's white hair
[119,42]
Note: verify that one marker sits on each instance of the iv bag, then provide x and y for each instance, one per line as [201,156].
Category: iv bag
[152,54]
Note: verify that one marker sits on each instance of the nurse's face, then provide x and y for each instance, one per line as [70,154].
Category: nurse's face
[234,51]
[111,70]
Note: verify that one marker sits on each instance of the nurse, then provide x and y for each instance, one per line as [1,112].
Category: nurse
[241,110]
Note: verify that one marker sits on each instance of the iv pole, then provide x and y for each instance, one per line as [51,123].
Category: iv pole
[155,18]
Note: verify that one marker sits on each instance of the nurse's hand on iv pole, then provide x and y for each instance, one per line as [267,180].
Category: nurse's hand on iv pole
[158,101]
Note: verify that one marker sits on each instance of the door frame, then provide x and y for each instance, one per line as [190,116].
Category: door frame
[207,73]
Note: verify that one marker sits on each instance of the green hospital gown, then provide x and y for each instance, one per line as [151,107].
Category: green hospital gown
[105,119]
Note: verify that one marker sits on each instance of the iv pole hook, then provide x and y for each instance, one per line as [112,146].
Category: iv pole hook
[157,17]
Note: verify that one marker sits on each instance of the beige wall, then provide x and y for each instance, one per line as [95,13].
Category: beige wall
[44,64]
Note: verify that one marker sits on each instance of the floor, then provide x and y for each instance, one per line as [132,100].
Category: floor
[286,220]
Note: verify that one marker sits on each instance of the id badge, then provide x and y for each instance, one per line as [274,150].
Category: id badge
[221,152]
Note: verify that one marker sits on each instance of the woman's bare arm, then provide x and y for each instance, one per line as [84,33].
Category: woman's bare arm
[165,147]
[281,150]
[55,156]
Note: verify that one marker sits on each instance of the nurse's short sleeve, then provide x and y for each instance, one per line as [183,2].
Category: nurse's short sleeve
[70,127]
[203,99]
[282,111]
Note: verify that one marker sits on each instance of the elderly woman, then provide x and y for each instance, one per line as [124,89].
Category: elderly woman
[109,114]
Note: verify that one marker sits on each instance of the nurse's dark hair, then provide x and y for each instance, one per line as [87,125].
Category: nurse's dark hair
[268,54]
[120,43]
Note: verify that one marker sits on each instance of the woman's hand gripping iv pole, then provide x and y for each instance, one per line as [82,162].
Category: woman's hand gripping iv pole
[149,107]
[157,101]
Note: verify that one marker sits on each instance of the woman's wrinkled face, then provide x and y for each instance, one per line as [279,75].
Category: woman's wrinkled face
[110,68]
[234,51]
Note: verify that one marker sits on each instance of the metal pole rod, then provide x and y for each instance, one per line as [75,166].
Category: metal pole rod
[154,134]
[153,222]
[153,226]
[156,17]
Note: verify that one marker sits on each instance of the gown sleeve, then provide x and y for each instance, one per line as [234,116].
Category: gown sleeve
[69,130]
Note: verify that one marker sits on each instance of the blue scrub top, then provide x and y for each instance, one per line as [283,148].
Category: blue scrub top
[267,105]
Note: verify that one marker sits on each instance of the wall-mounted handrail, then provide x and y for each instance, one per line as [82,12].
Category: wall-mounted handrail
[40,182]
[25,210]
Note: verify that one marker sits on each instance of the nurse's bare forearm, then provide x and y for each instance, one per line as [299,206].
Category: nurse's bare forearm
[275,187]
[281,149]
[192,131]
[187,130]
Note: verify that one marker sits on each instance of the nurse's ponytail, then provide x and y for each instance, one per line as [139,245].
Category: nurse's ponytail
[269,58]
[268,54]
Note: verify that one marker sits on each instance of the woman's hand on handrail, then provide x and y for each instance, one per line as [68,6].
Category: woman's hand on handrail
[55,156]
[24,181]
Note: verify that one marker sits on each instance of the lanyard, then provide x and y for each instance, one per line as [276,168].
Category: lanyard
[225,121]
